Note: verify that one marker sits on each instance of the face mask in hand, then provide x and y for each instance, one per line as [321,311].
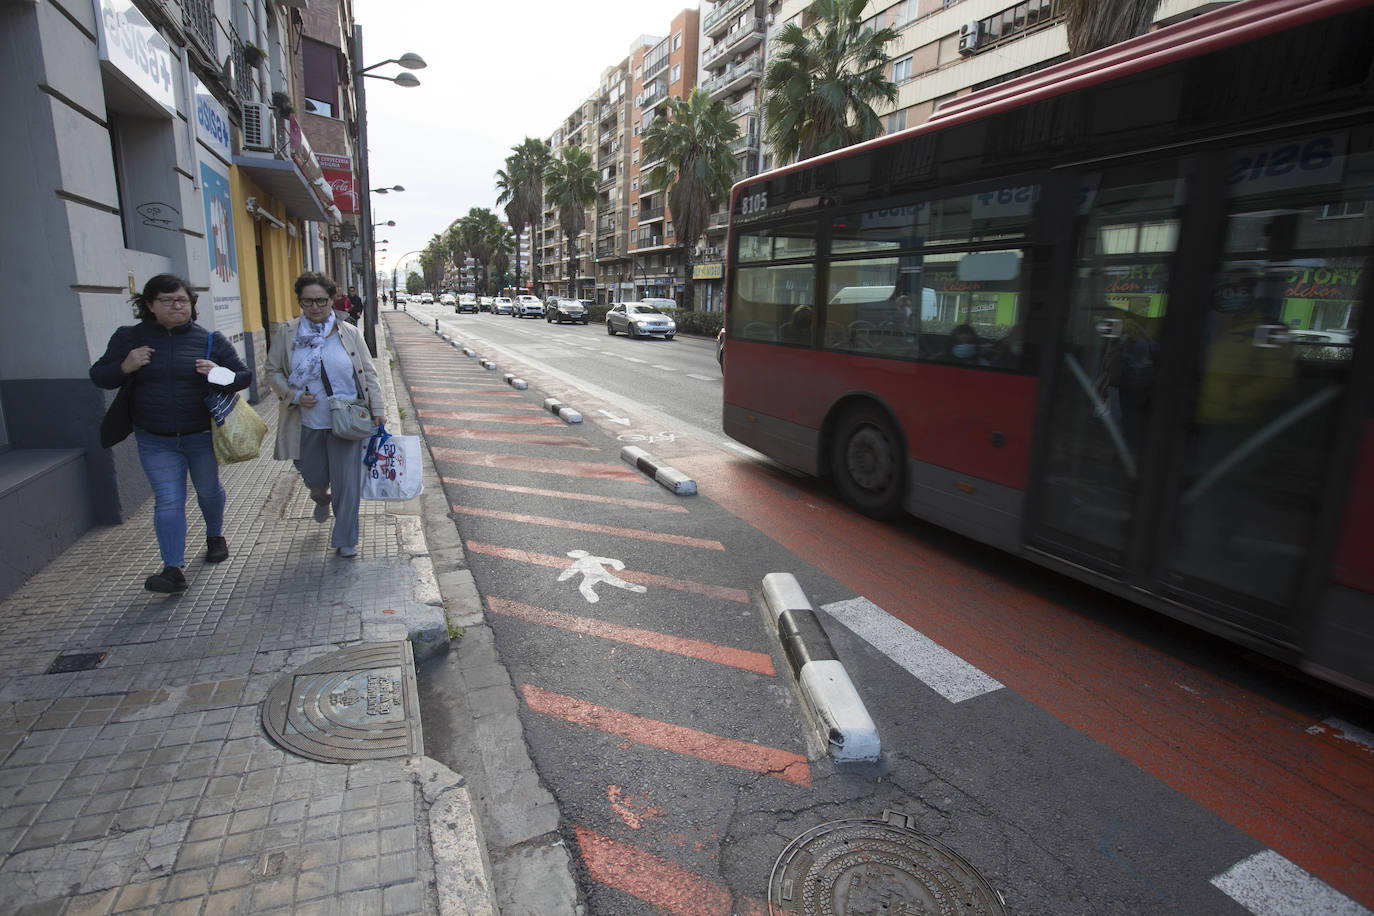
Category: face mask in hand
[964,351]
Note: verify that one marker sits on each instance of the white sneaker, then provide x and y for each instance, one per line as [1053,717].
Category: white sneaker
[348,553]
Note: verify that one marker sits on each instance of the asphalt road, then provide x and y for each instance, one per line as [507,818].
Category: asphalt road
[1082,754]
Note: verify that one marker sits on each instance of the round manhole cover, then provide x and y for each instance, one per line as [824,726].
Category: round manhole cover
[858,867]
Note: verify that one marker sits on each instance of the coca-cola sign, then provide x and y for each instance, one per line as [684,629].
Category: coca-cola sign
[338,171]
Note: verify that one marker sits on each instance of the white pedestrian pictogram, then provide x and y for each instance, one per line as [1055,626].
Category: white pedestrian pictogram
[593,570]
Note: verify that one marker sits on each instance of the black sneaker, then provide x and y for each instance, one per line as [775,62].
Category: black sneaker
[216,550]
[170,580]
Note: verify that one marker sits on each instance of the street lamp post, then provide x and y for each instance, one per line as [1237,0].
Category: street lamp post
[410,62]
[400,262]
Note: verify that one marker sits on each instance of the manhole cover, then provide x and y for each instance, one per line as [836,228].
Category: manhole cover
[350,705]
[859,867]
[76,661]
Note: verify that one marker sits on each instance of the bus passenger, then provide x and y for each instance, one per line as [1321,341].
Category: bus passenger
[964,347]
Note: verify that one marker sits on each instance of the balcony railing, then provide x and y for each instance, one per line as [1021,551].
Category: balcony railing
[653,241]
[737,74]
[719,219]
[649,214]
[198,16]
[743,107]
[733,40]
[745,143]
[723,13]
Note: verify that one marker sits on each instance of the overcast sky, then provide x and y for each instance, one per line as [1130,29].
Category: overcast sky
[498,72]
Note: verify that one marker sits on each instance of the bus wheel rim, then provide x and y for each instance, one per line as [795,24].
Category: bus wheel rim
[869,459]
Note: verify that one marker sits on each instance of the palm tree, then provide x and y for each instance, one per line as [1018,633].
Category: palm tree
[476,231]
[452,243]
[502,244]
[571,183]
[693,139]
[1094,24]
[522,193]
[822,81]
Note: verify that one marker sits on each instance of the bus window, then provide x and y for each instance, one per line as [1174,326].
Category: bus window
[1281,322]
[1105,381]
[774,279]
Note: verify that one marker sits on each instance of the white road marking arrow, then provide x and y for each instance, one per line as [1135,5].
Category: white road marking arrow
[624,421]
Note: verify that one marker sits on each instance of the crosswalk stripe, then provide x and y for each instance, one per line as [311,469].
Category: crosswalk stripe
[679,739]
[629,575]
[1267,884]
[758,662]
[926,660]
[635,533]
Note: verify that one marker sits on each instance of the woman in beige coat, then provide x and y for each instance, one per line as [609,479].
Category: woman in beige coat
[307,351]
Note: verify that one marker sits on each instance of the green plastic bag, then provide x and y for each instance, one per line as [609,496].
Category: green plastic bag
[238,437]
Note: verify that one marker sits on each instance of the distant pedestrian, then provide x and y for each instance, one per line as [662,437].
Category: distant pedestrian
[355,310]
[164,356]
[307,350]
[342,307]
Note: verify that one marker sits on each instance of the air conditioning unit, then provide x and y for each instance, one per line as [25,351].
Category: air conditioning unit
[970,37]
[259,127]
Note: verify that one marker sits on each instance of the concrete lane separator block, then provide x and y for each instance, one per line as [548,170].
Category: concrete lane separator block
[488,365]
[839,711]
[518,384]
[560,410]
[668,477]
[469,352]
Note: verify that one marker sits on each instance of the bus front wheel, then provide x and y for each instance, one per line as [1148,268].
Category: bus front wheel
[866,460]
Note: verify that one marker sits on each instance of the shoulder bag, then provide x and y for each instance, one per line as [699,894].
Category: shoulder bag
[349,418]
[235,429]
[118,422]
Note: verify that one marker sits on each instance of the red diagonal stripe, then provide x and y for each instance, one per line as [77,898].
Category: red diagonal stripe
[634,636]
[657,881]
[681,540]
[541,465]
[757,758]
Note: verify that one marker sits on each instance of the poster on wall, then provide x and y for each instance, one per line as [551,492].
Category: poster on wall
[227,302]
[338,171]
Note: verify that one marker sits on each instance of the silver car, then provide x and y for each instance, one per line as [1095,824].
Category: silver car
[639,320]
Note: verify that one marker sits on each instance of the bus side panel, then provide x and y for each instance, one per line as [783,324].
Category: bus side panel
[975,508]
[971,421]
[1354,563]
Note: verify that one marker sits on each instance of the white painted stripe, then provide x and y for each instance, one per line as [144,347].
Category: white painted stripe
[929,662]
[1344,731]
[633,359]
[844,720]
[1267,884]
[664,368]
[703,378]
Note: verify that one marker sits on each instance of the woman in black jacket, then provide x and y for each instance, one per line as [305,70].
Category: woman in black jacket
[165,353]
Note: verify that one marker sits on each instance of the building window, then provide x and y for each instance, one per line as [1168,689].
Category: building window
[634,183]
[896,121]
[677,41]
[634,157]
[634,209]
[901,70]
[906,12]
[677,73]
[669,231]
[321,65]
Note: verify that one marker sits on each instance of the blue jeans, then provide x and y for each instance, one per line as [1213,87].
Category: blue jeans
[166,459]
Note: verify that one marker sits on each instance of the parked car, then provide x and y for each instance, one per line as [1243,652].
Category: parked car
[528,307]
[638,319]
[448,299]
[561,310]
[484,304]
[467,302]
[502,305]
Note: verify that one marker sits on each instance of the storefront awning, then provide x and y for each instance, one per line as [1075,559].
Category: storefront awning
[282,179]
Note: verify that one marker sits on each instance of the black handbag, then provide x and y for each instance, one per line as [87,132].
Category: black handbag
[118,422]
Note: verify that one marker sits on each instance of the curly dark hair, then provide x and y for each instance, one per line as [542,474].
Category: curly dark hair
[160,285]
[318,279]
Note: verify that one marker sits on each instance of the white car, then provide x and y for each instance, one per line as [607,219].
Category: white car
[638,319]
[502,305]
[528,307]
[448,299]
[427,297]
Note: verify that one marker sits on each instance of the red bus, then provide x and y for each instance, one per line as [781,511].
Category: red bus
[1104,316]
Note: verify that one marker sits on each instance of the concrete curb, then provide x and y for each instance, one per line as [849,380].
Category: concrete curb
[462,872]
[669,477]
[839,712]
[566,414]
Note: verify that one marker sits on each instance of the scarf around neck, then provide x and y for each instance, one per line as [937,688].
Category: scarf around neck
[308,356]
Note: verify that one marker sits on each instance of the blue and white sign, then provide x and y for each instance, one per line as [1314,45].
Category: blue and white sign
[212,121]
[136,51]
[226,312]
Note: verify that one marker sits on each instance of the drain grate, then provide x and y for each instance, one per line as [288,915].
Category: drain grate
[862,866]
[76,661]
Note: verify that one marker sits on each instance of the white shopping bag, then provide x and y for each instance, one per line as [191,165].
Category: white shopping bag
[391,467]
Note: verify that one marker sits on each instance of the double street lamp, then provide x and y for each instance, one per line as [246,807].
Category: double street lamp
[409,61]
